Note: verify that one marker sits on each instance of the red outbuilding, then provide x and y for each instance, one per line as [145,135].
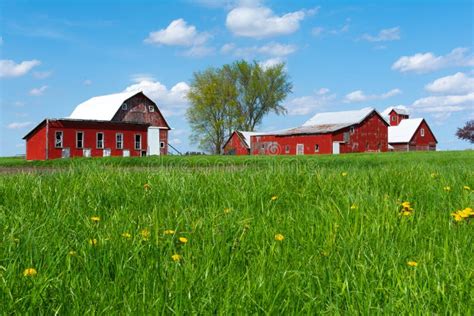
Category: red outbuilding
[122,124]
[238,143]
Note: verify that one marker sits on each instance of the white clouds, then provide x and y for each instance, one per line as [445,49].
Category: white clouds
[42,74]
[309,104]
[320,31]
[260,22]
[170,101]
[199,51]
[271,49]
[178,33]
[392,34]
[271,62]
[18,125]
[8,68]
[458,83]
[444,103]
[38,91]
[360,96]
[426,62]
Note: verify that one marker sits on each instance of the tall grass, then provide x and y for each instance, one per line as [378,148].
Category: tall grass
[345,247]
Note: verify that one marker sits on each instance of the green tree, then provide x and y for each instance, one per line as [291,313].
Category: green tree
[234,97]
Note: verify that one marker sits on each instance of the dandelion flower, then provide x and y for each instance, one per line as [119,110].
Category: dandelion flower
[344,174]
[274,198]
[406,204]
[30,272]
[447,188]
[93,242]
[467,188]
[95,219]
[126,235]
[147,186]
[72,253]
[279,237]
[183,240]
[353,207]
[412,263]
[169,232]
[227,210]
[434,175]
[405,213]
[145,233]
[176,257]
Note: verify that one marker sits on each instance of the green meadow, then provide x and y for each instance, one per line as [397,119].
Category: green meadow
[238,235]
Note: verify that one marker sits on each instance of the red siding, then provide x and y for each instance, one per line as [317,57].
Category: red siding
[235,146]
[278,145]
[36,145]
[396,118]
[138,111]
[164,139]
[418,142]
[90,129]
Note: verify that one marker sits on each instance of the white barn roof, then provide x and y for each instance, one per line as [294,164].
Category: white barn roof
[403,132]
[247,136]
[102,107]
[399,109]
[343,118]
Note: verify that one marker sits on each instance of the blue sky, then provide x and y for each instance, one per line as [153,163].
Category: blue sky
[340,55]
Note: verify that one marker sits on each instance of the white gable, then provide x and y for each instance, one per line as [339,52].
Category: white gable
[403,132]
[341,118]
[102,107]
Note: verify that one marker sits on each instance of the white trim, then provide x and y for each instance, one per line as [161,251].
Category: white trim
[116,141]
[135,141]
[422,132]
[82,140]
[62,139]
[97,140]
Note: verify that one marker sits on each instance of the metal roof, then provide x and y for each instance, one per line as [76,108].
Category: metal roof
[399,109]
[403,132]
[101,107]
[315,129]
[346,118]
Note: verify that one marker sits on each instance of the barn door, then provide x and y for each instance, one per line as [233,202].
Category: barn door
[86,152]
[335,148]
[153,140]
[300,149]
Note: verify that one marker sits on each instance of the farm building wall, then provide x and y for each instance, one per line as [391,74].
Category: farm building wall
[90,130]
[164,140]
[396,118]
[286,145]
[235,146]
[418,142]
[36,145]
[140,109]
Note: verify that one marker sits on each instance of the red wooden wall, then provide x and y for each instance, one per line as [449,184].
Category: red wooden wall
[235,146]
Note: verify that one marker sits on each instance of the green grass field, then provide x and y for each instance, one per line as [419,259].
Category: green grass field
[95,233]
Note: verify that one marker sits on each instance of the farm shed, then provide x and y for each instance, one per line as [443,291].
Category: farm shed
[122,124]
[407,134]
[238,143]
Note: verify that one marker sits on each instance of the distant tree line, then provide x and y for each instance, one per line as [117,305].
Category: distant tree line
[235,96]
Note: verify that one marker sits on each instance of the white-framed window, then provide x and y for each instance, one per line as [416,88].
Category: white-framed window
[100,140]
[352,130]
[138,141]
[394,118]
[316,148]
[162,144]
[119,140]
[422,132]
[79,139]
[151,108]
[125,106]
[287,149]
[58,139]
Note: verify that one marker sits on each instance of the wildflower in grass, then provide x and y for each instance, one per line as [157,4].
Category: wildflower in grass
[467,188]
[145,233]
[93,242]
[169,232]
[176,257]
[447,188]
[126,235]
[30,272]
[406,209]
[412,263]
[147,187]
[274,198]
[353,207]
[95,219]
[183,240]
[434,175]
[344,174]
[279,237]
[72,253]
[227,210]
[464,214]
[406,204]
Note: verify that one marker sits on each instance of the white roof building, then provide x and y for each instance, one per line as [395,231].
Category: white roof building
[403,132]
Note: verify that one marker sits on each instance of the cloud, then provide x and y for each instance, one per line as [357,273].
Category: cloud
[8,68]
[142,77]
[199,51]
[38,91]
[392,34]
[427,62]
[271,62]
[18,125]
[42,74]
[260,22]
[458,83]
[360,96]
[320,31]
[444,103]
[170,101]
[309,104]
[178,33]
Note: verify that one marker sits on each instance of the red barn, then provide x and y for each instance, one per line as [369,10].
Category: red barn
[407,134]
[122,124]
[238,143]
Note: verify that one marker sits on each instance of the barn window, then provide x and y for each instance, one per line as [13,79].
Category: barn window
[79,139]
[316,148]
[287,149]
[394,118]
[162,144]
[125,106]
[422,132]
[100,140]
[119,141]
[151,108]
[352,130]
[138,141]
[58,139]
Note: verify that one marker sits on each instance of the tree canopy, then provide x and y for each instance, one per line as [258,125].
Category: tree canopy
[235,96]
[466,132]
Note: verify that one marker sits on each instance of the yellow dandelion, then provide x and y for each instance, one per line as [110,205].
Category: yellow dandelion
[434,175]
[147,186]
[183,240]
[406,213]
[274,198]
[447,188]
[279,237]
[169,232]
[30,272]
[412,263]
[95,219]
[344,174]
[227,210]
[469,211]
[353,207]
[176,257]
[145,233]
[72,253]
[456,216]
[93,242]
[406,204]
[126,235]
[467,188]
